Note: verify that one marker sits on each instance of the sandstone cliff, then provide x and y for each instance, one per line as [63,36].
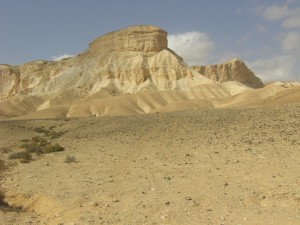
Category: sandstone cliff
[233,70]
[124,61]
[136,61]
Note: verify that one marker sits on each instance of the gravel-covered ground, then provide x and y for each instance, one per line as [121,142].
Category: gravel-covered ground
[219,166]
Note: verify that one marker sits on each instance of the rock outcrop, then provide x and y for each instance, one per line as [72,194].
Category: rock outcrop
[123,61]
[137,38]
[135,60]
[233,70]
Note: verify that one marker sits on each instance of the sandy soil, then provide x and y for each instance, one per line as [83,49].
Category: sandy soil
[209,166]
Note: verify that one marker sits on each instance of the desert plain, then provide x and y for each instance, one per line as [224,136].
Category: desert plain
[205,166]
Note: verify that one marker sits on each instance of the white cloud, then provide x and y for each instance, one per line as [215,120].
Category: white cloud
[291,42]
[194,47]
[261,28]
[61,56]
[292,22]
[276,12]
[277,68]
[290,16]
[290,1]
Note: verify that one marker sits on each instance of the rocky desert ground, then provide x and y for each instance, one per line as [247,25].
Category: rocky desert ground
[205,166]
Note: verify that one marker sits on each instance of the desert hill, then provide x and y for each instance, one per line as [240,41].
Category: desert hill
[233,70]
[128,71]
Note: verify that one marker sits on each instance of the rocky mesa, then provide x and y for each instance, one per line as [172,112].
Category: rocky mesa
[124,59]
[127,71]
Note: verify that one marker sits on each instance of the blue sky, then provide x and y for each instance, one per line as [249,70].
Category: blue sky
[263,33]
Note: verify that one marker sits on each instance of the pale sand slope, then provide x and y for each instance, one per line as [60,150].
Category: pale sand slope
[225,95]
[209,166]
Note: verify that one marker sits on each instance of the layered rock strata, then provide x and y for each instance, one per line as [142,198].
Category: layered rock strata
[233,70]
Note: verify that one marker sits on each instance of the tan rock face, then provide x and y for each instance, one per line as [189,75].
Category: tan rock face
[234,70]
[131,60]
[9,81]
[124,61]
[135,38]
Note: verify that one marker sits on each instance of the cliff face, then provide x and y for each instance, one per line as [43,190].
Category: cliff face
[234,70]
[123,61]
[135,60]
[137,38]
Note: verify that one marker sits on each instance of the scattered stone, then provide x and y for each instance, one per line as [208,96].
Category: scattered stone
[94,204]
[115,200]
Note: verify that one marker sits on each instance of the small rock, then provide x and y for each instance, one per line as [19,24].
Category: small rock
[115,200]
[94,204]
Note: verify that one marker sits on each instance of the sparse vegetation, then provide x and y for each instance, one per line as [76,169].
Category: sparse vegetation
[37,145]
[55,135]
[41,130]
[49,133]
[40,141]
[53,148]
[25,156]
[32,148]
[40,145]
[70,159]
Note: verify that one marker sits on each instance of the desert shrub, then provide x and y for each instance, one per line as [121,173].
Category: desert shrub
[32,147]
[53,148]
[70,159]
[55,135]
[41,130]
[36,139]
[43,142]
[25,140]
[52,127]
[40,141]
[20,155]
